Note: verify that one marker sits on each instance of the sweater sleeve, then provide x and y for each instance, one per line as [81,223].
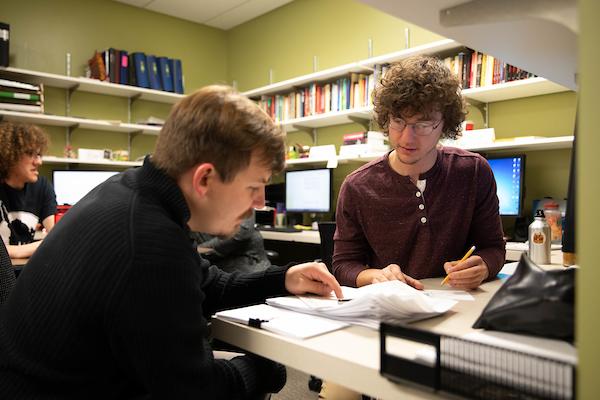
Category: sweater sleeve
[486,227]
[350,245]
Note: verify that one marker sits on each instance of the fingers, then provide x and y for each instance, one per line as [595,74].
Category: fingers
[312,278]
[469,278]
[414,282]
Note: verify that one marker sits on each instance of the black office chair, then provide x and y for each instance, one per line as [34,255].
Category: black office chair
[326,231]
[7,275]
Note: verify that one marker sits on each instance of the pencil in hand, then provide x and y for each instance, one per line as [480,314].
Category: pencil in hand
[467,255]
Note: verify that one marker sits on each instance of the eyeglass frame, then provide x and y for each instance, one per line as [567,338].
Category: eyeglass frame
[414,125]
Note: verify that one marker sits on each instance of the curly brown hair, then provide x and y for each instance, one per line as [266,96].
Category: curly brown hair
[420,85]
[220,126]
[16,140]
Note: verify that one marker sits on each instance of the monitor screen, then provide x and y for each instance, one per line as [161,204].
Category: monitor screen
[71,186]
[509,172]
[308,190]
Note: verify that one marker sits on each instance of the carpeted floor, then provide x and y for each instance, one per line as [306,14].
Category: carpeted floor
[296,387]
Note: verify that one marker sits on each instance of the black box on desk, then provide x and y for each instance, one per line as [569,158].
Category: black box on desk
[265,216]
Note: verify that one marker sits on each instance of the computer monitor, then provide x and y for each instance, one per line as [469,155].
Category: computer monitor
[509,172]
[308,190]
[71,185]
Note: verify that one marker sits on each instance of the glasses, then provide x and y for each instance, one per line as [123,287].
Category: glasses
[33,154]
[422,128]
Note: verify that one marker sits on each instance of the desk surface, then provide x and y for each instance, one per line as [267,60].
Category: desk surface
[350,356]
[18,262]
[302,236]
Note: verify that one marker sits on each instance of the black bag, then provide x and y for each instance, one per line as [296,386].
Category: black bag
[533,301]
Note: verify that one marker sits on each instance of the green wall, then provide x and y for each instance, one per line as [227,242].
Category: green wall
[43,32]
[588,212]
[284,40]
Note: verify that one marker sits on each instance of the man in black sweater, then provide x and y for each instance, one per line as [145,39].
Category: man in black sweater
[114,304]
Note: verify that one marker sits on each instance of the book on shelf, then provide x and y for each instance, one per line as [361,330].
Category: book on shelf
[153,74]
[31,108]
[166,76]
[368,137]
[141,69]
[177,74]
[10,95]
[123,67]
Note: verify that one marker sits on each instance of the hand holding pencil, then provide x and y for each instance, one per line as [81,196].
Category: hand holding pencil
[468,273]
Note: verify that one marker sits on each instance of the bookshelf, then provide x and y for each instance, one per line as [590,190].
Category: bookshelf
[72,84]
[475,96]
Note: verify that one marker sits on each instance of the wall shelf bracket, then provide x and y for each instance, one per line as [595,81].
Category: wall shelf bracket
[130,137]
[364,122]
[130,101]
[69,132]
[309,130]
[484,109]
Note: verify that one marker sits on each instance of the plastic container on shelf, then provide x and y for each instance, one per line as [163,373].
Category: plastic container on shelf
[554,219]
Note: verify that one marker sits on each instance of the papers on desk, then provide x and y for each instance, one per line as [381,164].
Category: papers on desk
[280,321]
[392,301]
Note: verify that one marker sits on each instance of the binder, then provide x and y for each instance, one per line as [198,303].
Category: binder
[176,73]
[166,77]
[153,74]
[476,369]
[141,70]
[123,67]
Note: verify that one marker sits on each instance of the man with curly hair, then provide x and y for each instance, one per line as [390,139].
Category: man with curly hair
[407,215]
[26,199]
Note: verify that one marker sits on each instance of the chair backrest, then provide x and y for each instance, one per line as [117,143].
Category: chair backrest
[326,231]
[7,275]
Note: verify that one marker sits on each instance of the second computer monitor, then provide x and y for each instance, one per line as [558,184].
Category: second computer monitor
[509,172]
[71,185]
[308,190]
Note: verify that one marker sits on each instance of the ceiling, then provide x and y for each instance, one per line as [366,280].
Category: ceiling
[223,14]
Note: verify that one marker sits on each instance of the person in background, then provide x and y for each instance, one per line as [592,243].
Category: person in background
[410,213]
[243,252]
[27,200]
[115,302]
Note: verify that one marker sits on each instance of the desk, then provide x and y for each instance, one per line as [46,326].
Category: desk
[350,357]
[293,247]
[18,262]
[513,249]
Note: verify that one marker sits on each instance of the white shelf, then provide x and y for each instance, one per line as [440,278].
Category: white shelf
[89,85]
[518,144]
[327,119]
[513,90]
[486,94]
[63,160]
[363,66]
[57,120]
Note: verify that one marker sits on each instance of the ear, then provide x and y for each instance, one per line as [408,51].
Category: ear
[202,178]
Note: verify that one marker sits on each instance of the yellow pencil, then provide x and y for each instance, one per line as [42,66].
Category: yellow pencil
[467,255]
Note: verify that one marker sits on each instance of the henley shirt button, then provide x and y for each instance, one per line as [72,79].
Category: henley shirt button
[418,194]
[421,206]
[423,219]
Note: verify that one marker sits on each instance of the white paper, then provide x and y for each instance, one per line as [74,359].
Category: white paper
[392,301]
[459,295]
[282,322]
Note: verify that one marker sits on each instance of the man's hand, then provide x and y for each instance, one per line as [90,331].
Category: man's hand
[312,277]
[468,274]
[389,273]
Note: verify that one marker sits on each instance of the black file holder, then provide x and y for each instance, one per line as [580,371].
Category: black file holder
[474,370]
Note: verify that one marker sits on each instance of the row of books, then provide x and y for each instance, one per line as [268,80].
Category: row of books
[20,96]
[137,69]
[475,69]
[346,93]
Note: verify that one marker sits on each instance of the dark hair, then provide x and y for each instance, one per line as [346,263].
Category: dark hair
[220,126]
[420,85]
[16,140]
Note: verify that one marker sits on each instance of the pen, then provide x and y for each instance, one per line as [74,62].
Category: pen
[467,255]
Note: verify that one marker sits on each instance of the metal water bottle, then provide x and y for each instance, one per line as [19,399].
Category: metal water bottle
[539,239]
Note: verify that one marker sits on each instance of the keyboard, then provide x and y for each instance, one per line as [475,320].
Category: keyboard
[269,228]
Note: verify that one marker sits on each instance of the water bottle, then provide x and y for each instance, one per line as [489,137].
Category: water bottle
[539,239]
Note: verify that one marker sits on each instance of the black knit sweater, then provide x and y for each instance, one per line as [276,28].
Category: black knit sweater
[114,303]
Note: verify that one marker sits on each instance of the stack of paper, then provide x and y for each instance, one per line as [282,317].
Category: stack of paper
[392,301]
